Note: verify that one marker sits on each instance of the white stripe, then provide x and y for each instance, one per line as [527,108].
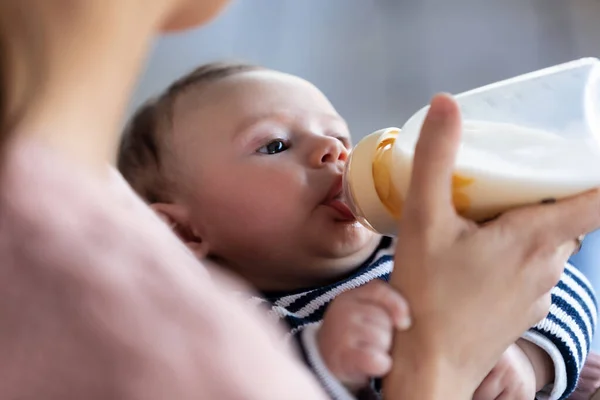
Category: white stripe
[583,294]
[287,300]
[570,322]
[281,312]
[589,286]
[272,315]
[302,327]
[326,297]
[578,309]
[578,274]
[553,328]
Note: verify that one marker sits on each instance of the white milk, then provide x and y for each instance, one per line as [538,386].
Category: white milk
[499,166]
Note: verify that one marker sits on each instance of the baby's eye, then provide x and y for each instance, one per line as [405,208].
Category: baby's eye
[274,147]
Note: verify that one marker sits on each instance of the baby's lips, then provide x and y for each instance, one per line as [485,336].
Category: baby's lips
[342,209]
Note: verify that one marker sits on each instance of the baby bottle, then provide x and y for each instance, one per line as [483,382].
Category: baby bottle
[524,140]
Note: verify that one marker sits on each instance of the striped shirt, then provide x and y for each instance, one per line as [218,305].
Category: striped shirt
[565,334]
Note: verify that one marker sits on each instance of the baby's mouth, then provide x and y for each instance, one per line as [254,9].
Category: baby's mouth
[335,200]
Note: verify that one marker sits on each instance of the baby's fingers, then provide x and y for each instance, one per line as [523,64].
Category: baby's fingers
[367,362]
[382,295]
[491,387]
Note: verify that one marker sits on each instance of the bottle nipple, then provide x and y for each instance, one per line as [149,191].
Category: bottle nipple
[382,176]
[369,182]
[375,191]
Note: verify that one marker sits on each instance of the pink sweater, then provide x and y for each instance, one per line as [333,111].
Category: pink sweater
[99,300]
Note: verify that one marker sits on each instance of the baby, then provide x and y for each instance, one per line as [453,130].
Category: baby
[245,164]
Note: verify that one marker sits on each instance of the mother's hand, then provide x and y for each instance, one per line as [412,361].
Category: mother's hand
[473,290]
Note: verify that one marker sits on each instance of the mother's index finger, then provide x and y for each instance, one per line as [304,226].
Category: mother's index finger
[562,221]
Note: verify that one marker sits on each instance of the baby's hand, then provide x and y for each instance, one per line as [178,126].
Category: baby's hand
[512,378]
[356,335]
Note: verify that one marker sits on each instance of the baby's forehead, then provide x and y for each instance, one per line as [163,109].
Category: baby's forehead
[257,87]
[201,106]
[227,102]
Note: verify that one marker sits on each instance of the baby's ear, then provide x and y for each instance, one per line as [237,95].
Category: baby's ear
[177,218]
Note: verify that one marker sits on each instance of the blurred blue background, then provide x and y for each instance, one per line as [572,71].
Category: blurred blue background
[381,60]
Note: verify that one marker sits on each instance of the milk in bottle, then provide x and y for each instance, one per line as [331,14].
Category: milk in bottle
[524,140]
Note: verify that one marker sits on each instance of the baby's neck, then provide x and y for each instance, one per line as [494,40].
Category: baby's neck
[329,272]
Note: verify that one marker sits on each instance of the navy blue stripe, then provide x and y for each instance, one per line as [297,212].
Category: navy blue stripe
[295,322]
[572,312]
[570,362]
[385,277]
[581,353]
[581,283]
[569,290]
[569,310]
[304,300]
[297,306]
[316,316]
[303,353]
[319,313]
[384,244]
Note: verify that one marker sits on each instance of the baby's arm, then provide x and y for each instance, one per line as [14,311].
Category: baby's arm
[541,363]
[566,333]
[514,376]
[551,354]
[352,343]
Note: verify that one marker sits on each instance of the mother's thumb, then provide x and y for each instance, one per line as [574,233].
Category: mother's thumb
[430,190]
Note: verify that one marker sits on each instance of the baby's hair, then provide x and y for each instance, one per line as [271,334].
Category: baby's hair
[141,153]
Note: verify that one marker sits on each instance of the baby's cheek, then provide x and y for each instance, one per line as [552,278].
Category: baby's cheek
[249,223]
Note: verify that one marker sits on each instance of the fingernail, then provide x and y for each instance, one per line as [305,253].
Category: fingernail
[441,106]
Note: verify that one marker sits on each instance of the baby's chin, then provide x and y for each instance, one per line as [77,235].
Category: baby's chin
[348,249]
[330,270]
[352,237]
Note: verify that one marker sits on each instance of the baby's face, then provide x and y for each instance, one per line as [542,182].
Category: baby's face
[261,156]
